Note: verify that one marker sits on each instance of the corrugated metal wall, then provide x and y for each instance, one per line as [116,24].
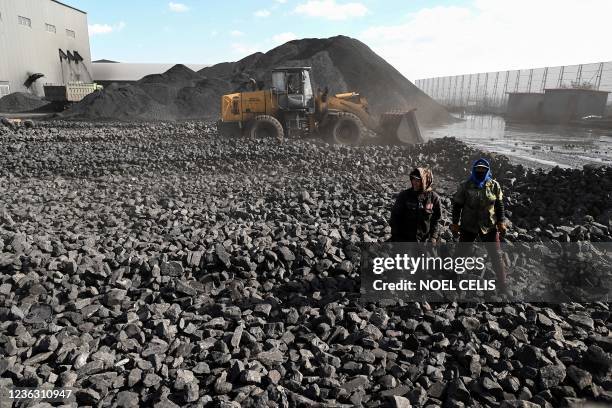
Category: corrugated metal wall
[26,50]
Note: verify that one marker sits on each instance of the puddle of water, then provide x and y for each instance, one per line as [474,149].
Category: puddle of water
[531,145]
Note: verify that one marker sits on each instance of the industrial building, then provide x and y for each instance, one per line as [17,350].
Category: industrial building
[564,105]
[42,41]
[524,106]
[556,105]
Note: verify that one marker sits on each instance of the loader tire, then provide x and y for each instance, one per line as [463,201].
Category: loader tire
[266,127]
[347,130]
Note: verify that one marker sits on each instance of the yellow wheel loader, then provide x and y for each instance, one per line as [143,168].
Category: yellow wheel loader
[291,108]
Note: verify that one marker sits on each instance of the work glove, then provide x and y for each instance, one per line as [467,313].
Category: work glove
[454,229]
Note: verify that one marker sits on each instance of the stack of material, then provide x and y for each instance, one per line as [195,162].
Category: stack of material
[340,63]
[19,102]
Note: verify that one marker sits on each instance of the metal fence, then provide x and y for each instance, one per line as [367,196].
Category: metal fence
[488,91]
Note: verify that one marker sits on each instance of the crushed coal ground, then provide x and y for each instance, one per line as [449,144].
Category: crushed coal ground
[160,265]
[20,102]
[341,63]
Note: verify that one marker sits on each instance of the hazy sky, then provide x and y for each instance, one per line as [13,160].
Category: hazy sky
[420,38]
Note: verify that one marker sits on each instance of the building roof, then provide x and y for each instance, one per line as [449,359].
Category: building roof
[575,90]
[66,5]
[290,68]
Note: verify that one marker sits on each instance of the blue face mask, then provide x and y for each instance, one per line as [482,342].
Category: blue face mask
[480,175]
[481,179]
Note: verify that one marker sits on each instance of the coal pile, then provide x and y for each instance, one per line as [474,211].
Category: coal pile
[158,264]
[569,198]
[341,63]
[180,93]
[20,102]
[565,205]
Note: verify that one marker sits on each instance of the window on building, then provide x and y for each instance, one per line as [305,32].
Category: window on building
[70,33]
[50,28]
[25,21]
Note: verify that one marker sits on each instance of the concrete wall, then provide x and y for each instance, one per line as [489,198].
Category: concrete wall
[26,50]
[524,106]
[564,105]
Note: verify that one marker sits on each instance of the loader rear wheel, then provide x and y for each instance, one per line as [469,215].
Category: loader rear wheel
[266,127]
[348,129]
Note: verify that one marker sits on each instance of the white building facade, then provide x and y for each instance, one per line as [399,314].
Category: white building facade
[42,41]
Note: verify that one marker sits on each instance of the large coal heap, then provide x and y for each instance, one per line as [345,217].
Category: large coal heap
[341,63]
[179,93]
[18,102]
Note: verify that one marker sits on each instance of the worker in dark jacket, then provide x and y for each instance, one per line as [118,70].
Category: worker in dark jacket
[416,213]
[478,212]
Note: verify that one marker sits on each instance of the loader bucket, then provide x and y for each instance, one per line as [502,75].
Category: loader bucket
[400,128]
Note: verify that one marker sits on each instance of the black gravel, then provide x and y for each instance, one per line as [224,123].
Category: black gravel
[21,102]
[157,264]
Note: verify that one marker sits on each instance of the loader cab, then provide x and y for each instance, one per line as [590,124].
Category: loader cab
[294,89]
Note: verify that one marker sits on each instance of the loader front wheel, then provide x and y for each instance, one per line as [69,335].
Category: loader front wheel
[266,127]
[229,129]
[347,130]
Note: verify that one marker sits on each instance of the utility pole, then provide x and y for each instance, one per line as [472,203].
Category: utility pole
[561,76]
[442,91]
[469,89]
[455,91]
[518,79]
[544,77]
[476,91]
[579,76]
[495,87]
[598,76]
[530,78]
[484,90]
[505,94]
[461,90]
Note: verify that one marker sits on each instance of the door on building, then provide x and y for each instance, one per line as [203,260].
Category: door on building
[572,108]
